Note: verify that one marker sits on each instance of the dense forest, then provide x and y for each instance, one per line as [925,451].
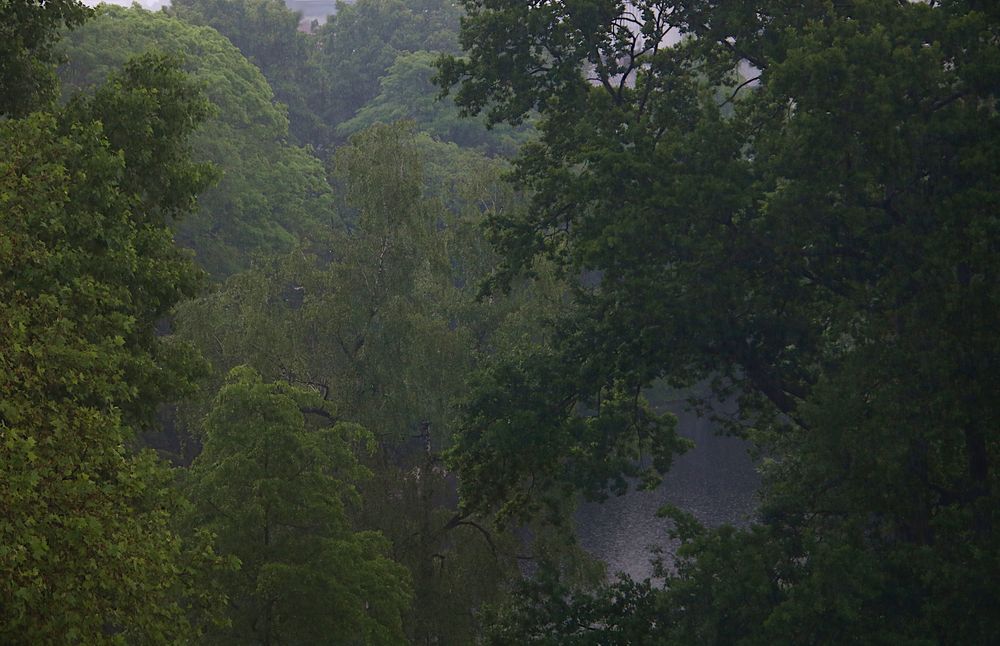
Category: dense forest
[321,334]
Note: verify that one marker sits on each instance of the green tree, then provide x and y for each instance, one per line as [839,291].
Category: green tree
[275,489]
[270,193]
[361,312]
[28,30]
[380,317]
[408,94]
[267,33]
[797,202]
[361,41]
[88,551]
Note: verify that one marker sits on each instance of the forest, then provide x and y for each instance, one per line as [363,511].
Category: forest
[323,333]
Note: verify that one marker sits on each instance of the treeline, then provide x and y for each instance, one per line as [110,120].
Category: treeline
[291,353]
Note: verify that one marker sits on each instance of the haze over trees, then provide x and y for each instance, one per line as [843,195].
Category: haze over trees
[293,349]
[269,193]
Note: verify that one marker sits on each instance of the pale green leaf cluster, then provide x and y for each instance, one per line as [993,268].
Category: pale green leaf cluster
[270,193]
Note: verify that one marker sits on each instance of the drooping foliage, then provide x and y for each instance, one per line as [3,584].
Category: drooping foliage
[380,318]
[796,202]
[369,311]
[99,545]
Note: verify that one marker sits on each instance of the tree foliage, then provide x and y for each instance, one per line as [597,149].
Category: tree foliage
[361,41]
[89,554]
[369,317]
[380,318]
[28,30]
[797,202]
[407,93]
[270,193]
[275,490]
[368,312]
[267,33]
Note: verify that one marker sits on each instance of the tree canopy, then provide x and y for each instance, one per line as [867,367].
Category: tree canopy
[407,93]
[275,489]
[380,318]
[269,193]
[362,40]
[793,202]
[89,553]
[267,33]
[100,543]
[418,357]
[28,30]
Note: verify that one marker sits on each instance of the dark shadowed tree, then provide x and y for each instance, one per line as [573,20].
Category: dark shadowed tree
[28,31]
[797,201]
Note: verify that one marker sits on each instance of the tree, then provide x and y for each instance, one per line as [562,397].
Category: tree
[361,41]
[89,553]
[275,490]
[795,202]
[270,194]
[408,94]
[267,33]
[380,318]
[28,29]
[366,311]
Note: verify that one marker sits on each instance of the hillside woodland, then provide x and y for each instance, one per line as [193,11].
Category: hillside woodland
[321,337]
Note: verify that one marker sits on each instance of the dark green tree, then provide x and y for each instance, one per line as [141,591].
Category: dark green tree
[28,31]
[275,489]
[797,202]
